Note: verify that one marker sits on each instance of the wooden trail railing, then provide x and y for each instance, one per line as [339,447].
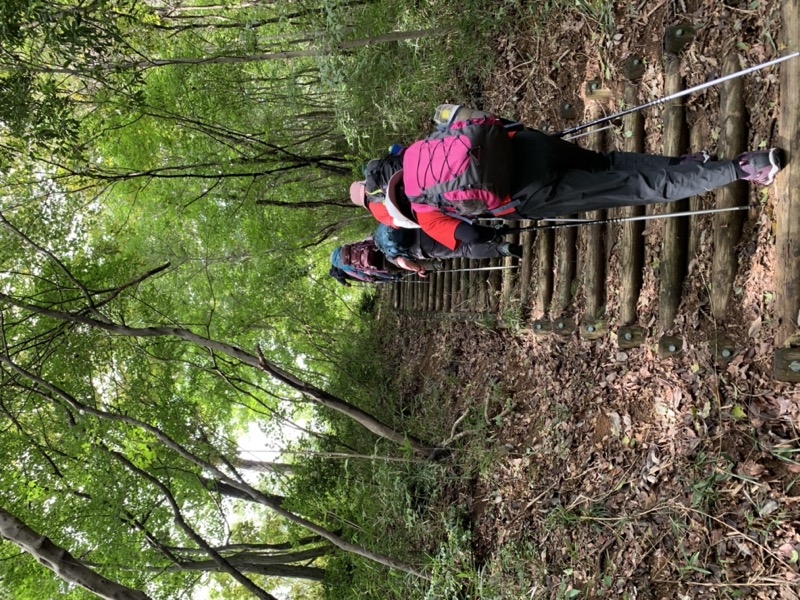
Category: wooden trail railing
[542,290]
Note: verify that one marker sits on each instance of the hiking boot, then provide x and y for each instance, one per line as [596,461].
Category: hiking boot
[701,157]
[762,166]
[509,249]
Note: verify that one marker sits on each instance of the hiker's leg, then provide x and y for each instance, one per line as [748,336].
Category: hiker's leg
[536,155]
[478,250]
[431,249]
[578,191]
[631,161]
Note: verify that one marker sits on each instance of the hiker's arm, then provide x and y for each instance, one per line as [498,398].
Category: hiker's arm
[410,265]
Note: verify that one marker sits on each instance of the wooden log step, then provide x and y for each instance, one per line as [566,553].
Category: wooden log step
[567,241]
[509,277]
[494,283]
[447,283]
[728,226]
[786,366]
[545,250]
[526,240]
[421,293]
[723,349]
[673,260]
[632,243]
[787,206]
[564,326]
[463,285]
[594,258]
[669,345]
[698,140]
[438,293]
[594,330]
[474,294]
[630,336]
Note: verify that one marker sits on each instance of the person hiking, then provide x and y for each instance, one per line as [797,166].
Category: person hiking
[410,249]
[475,167]
[361,262]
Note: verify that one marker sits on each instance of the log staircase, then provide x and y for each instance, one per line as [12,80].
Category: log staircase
[561,286]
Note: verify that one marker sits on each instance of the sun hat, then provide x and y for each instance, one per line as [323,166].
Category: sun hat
[358,193]
[396,204]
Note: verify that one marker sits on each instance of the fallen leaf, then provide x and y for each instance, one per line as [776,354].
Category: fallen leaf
[770,506]
[755,325]
[788,552]
[751,469]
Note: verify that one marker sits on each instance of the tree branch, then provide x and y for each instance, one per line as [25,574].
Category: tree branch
[61,562]
[218,559]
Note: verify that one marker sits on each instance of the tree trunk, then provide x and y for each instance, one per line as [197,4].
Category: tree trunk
[394,36]
[183,452]
[224,489]
[61,562]
[263,466]
[277,565]
[277,570]
[248,548]
[320,396]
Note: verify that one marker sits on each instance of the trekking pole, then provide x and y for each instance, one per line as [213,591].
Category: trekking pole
[679,94]
[569,138]
[687,213]
[499,268]
[407,278]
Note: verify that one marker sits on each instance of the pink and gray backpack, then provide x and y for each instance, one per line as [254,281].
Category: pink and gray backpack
[463,169]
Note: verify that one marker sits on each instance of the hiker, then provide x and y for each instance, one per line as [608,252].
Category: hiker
[473,166]
[408,248]
[361,262]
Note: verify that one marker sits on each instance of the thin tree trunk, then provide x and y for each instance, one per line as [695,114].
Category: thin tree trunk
[348,456]
[320,396]
[61,562]
[256,495]
[222,564]
[263,466]
[394,36]
[249,548]
[215,485]
[245,561]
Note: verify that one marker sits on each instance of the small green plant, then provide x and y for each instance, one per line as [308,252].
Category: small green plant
[565,592]
[692,565]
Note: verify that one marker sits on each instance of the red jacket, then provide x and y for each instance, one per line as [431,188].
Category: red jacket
[439,226]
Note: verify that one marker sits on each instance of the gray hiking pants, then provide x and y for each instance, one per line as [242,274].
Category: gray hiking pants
[551,177]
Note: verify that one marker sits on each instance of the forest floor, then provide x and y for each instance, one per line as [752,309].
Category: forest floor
[591,472]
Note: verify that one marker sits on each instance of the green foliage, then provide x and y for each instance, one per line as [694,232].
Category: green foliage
[150,180]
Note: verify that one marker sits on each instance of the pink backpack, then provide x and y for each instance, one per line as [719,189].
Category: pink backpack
[463,169]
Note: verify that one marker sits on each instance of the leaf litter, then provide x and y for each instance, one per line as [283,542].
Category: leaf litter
[629,475]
